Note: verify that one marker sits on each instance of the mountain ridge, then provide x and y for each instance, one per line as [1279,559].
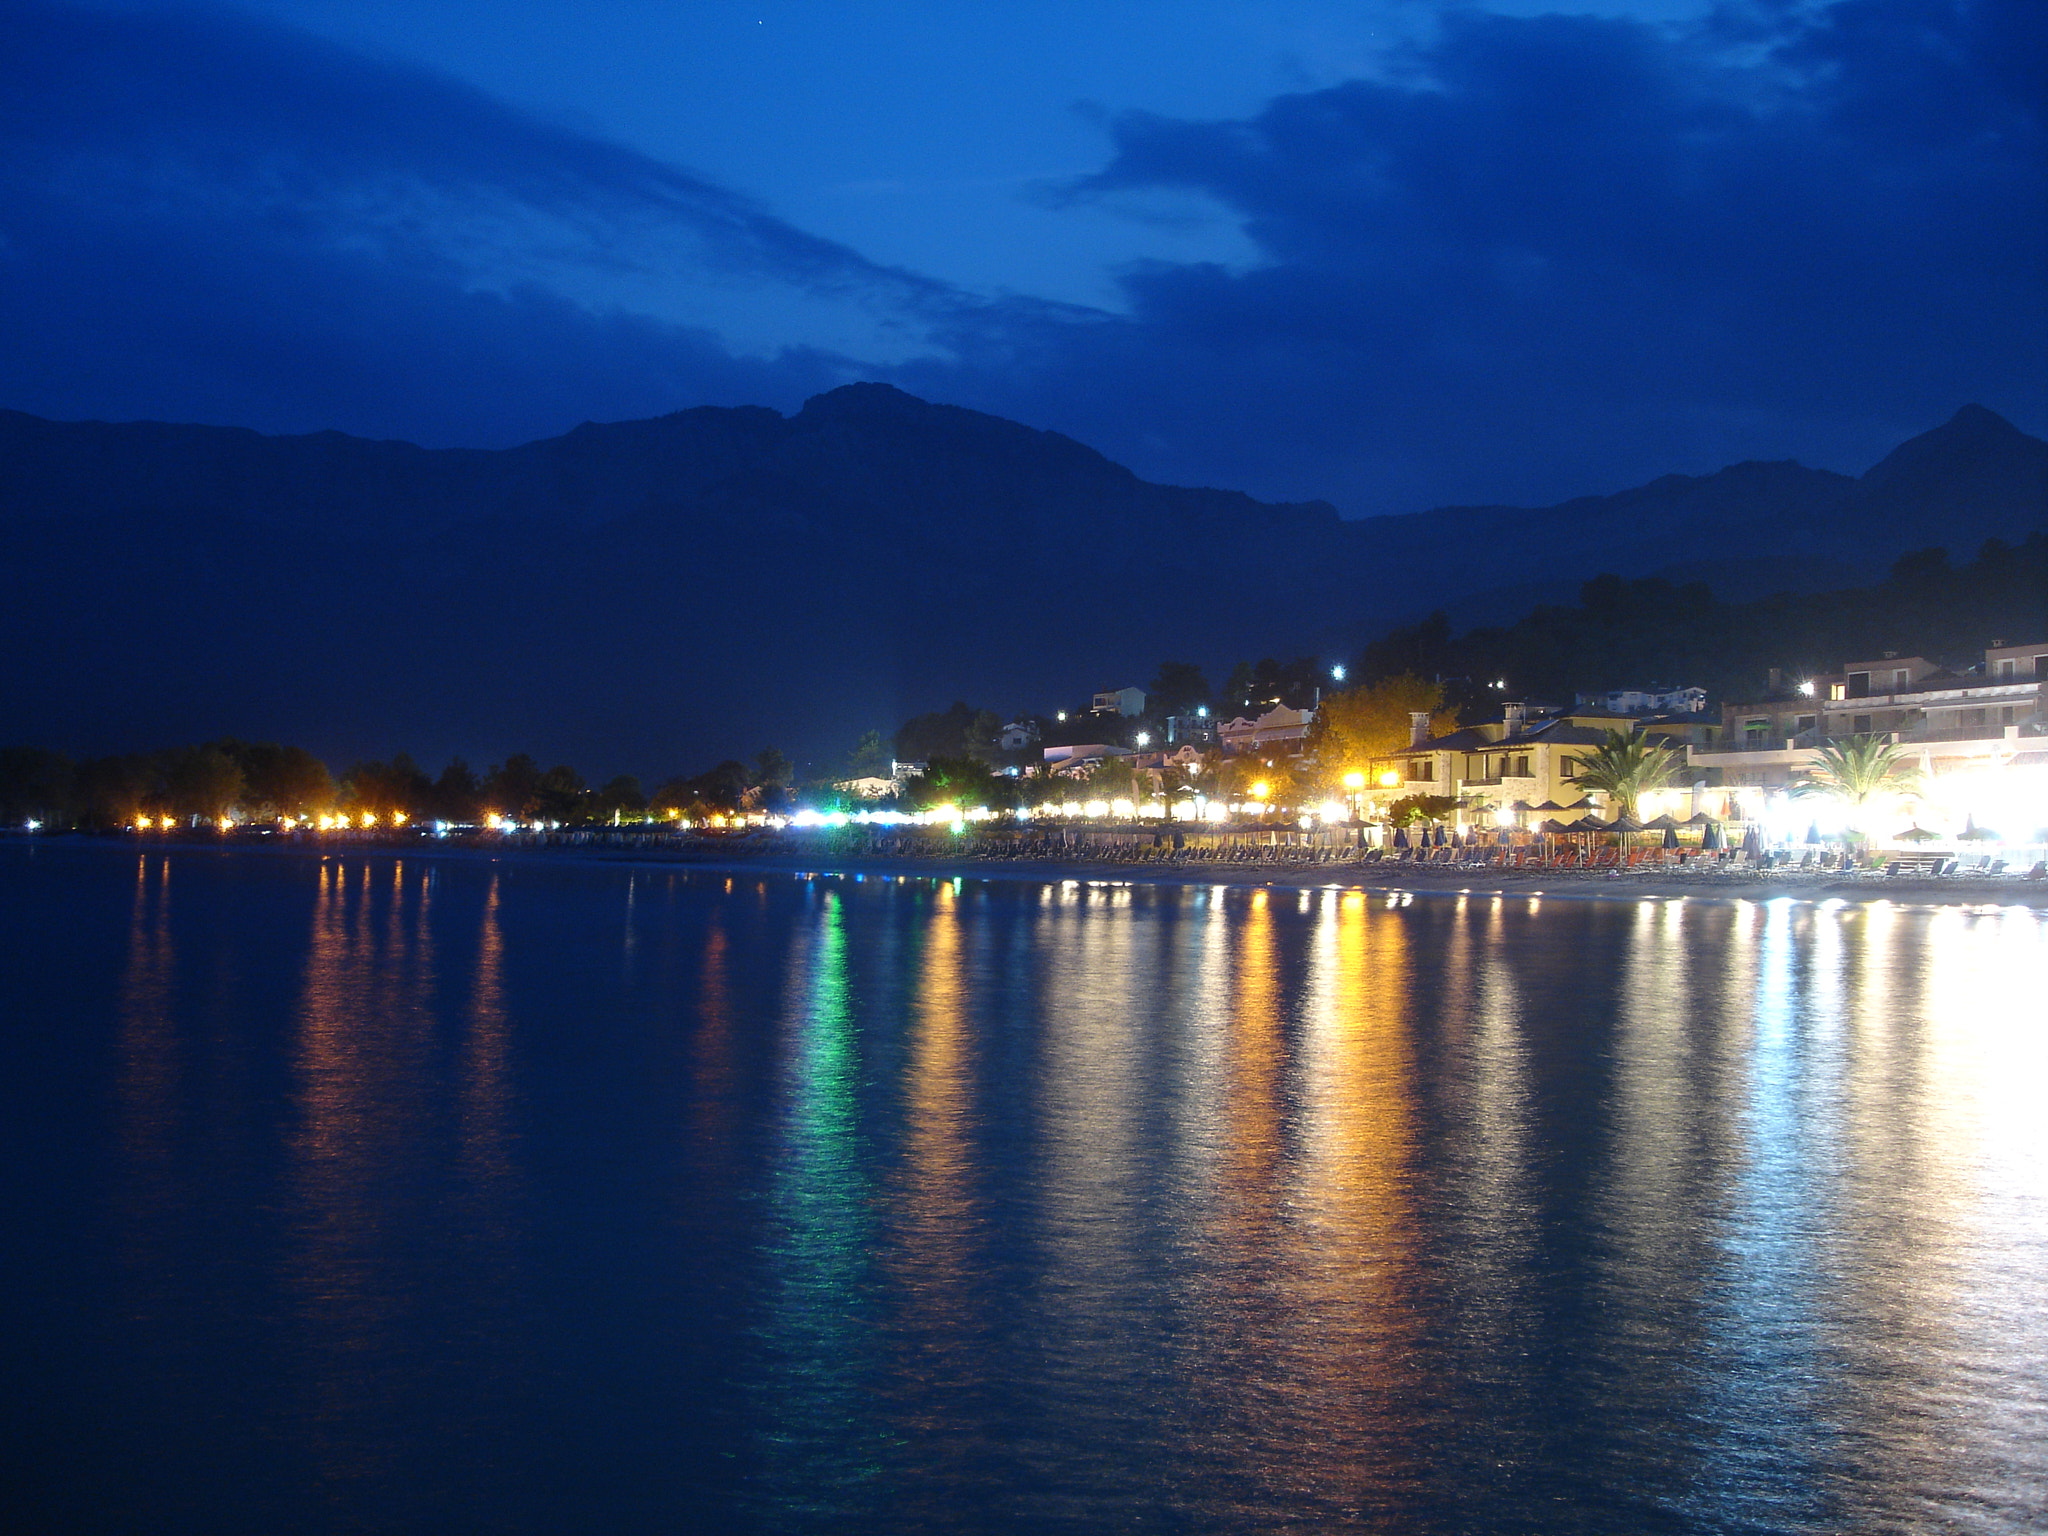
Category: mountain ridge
[713,579]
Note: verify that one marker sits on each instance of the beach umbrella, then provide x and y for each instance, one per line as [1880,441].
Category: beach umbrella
[1710,840]
[1434,836]
[1400,837]
[1624,824]
[1971,833]
[1751,843]
[1813,832]
[1501,837]
[1671,837]
[1916,834]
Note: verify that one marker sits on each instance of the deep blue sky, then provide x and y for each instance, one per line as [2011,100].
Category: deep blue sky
[1394,254]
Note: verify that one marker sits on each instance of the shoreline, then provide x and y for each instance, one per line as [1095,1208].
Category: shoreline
[1557,884]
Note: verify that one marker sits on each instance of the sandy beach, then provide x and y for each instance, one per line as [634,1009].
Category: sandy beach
[1710,882]
[1698,881]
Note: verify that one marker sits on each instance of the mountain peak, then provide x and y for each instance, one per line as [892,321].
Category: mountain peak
[1976,418]
[868,401]
[1977,444]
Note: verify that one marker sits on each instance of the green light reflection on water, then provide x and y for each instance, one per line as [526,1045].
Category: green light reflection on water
[817,1460]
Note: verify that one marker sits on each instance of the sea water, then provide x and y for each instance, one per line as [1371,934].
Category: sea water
[366,1193]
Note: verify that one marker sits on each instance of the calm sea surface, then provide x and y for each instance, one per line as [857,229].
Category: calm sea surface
[368,1193]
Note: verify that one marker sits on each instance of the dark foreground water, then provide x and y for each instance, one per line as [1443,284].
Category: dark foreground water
[370,1194]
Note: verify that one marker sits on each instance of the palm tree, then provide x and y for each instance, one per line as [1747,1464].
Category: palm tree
[1859,773]
[1628,767]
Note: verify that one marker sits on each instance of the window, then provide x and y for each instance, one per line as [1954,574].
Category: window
[2041,666]
[1837,691]
[1568,768]
[1860,724]
[1803,723]
[2009,667]
[1522,763]
[1973,718]
[1859,685]
[1420,771]
[1900,680]
[2005,715]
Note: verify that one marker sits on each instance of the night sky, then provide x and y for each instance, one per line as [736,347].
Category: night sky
[1394,254]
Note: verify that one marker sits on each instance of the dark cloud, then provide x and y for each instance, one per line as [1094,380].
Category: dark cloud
[1562,253]
[1534,257]
[204,216]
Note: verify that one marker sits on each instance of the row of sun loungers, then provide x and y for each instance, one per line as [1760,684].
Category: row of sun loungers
[1141,849]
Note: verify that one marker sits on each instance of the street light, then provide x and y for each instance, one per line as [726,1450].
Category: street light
[1337,672]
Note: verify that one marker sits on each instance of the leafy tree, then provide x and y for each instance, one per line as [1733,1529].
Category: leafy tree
[1360,724]
[1237,688]
[1414,650]
[772,775]
[279,780]
[618,800]
[1627,767]
[385,788]
[869,758]
[1113,779]
[113,791]
[960,780]
[952,732]
[1178,688]
[1860,774]
[1259,685]
[561,794]
[458,796]
[204,781]
[36,785]
[1410,809]
[512,788]
[719,789]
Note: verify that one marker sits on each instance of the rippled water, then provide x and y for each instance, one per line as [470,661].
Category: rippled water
[367,1193]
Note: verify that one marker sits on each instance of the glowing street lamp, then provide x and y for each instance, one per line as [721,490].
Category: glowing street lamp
[1337,672]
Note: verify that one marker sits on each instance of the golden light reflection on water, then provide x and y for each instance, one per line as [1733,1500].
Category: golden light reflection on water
[362,1066]
[150,1086]
[485,1077]
[1250,1133]
[936,1206]
[1351,1237]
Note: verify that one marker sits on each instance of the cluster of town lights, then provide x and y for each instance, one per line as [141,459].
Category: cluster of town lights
[1989,801]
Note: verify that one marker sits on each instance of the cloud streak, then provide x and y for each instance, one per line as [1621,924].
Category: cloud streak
[1531,257]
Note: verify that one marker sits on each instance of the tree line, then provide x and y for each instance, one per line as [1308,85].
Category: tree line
[268,782]
[1627,633]
[1620,632]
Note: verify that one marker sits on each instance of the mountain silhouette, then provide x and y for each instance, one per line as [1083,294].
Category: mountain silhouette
[648,595]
